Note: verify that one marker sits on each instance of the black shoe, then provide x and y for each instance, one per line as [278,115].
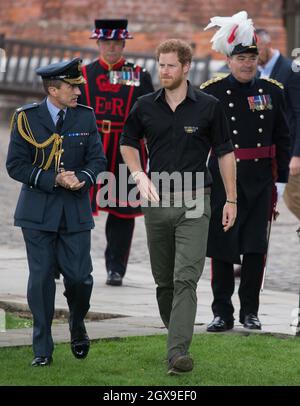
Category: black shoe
[80,346]
[41,361]
[114,279]
[218,324]
[252,322]
[180,364]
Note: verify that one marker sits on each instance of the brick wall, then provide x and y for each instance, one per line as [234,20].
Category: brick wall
[71,21]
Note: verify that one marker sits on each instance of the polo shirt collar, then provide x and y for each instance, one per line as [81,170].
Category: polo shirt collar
[190,93]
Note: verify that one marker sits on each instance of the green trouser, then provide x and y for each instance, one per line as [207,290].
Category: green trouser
[177,247]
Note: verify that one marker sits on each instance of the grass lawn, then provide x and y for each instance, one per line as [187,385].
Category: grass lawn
[22,320]
[220,359]
[13,321]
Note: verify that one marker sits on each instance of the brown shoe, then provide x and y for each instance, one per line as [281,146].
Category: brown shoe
[180,364]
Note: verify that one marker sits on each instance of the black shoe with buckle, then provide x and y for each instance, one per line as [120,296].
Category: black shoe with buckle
[218,325]
[41,361]
[252,322]
[180,363]
[114,279]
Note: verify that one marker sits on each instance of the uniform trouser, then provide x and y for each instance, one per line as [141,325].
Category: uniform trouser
[250,284]
[71,251]
[119,234]
[177,247]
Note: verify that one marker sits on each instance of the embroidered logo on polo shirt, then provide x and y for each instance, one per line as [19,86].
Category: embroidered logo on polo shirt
[190,129]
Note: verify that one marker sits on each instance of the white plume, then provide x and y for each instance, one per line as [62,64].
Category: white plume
[239,27]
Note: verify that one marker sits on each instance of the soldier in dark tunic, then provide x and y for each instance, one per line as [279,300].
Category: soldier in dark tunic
[255,111]
[113,85]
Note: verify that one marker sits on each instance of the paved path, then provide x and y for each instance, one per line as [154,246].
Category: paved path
[135,300]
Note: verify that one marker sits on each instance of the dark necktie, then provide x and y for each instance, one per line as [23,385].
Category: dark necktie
[60,121]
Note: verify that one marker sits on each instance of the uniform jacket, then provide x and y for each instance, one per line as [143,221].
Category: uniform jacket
[250,128]
[111,91]
[282,72]
[41,204]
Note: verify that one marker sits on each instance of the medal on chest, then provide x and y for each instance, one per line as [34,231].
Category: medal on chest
[126,76]
[260,102]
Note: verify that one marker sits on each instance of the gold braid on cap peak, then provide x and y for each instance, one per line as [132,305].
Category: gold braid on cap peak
[26,133]
[75,81]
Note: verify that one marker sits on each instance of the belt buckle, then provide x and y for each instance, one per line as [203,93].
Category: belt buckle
[106,125]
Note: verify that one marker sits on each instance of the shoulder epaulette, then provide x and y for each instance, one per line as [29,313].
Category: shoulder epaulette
[83,105]
[275,82]
[27,107]
[210,82]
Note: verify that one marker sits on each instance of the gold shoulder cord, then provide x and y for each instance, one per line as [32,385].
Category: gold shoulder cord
[12,121]
[26,133]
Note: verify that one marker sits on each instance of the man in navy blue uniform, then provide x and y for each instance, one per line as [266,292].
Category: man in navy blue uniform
[113,85]
[255,111]
[56,152]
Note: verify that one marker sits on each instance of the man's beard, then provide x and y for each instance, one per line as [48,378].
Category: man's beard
[174,85]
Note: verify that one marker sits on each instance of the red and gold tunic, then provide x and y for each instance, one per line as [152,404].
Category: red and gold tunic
[112,90]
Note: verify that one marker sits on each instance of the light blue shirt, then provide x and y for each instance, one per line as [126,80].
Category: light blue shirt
[53,110]
[265,71]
